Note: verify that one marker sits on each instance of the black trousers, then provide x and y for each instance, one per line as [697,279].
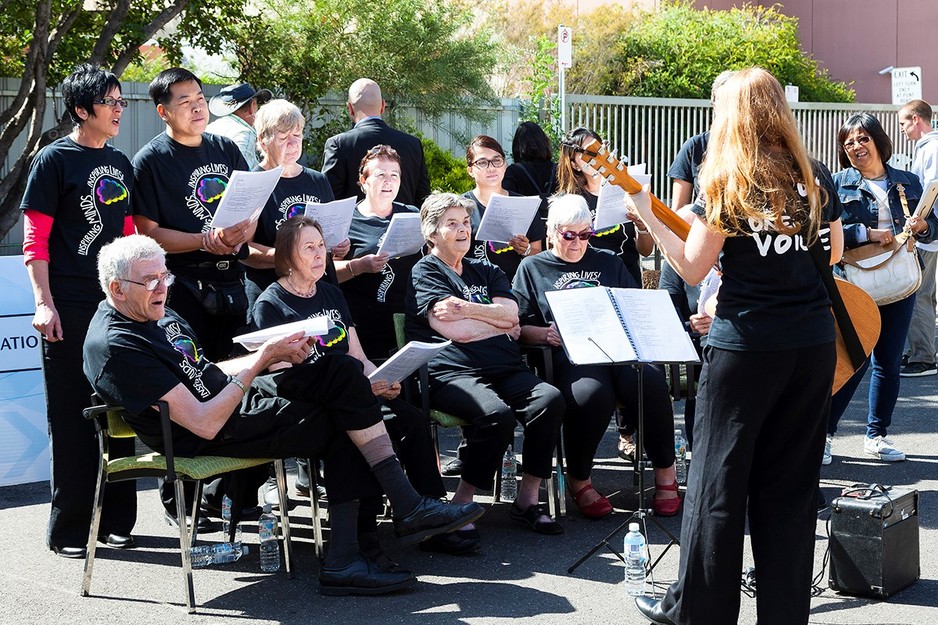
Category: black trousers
[491,404]
[409,431]
[592,391]
[306,411]
[758,440]
[74,443]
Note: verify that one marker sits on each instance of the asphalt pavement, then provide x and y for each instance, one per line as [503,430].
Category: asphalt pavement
[519,576]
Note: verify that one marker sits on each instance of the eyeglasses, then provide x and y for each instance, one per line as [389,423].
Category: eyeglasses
[112,102]
[570,235]
[484,163]
[850,144]
[151,285]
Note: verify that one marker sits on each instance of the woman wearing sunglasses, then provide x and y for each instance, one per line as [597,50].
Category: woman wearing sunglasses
[592,391]
[873,215]
[485,159]
[576,175]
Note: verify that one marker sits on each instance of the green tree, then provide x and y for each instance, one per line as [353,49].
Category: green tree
[676,52]
[42,40]
[423,53]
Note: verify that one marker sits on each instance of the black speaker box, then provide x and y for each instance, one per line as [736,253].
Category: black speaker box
[874,542]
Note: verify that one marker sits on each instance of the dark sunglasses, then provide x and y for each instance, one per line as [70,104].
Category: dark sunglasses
[851,144]
[570,235]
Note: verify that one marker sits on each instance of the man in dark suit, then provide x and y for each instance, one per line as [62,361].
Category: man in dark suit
[343,153]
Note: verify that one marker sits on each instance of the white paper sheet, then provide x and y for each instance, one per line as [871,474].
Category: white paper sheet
[335,217]
[245,196]
[407,360]
[506,216]
[610,207]
[316,326]
[403,236]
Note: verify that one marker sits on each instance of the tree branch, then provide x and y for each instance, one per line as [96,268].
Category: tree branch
[40,43]
[115,20]
[127,54]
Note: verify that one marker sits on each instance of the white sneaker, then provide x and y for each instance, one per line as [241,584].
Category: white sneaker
[882,448]
[826,459]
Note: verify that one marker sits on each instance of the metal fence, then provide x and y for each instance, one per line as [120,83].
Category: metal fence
[652,130]
[647,130]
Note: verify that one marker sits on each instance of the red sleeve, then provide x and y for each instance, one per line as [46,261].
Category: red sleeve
[129,227]
[37,228]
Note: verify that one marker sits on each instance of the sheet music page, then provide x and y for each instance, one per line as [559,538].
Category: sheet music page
[316,326]
[927,201]
[407,360]
[506,216]
[656,330]
[335,217]
[610,206]
[589,326]
[403,236]
[245,196]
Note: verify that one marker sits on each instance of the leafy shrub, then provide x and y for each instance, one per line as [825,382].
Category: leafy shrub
[447,173]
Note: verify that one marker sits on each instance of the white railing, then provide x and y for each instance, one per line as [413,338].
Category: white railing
[652,130]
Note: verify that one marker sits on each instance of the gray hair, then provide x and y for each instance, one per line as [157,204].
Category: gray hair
[435,205]
[567,209]
[117,257]
[277,116]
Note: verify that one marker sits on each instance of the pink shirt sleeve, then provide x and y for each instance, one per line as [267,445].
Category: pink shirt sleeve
[37,228]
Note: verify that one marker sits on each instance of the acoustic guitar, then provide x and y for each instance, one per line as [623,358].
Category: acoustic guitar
[861,317]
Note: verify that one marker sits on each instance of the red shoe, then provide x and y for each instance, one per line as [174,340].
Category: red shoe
[595,510]
[666,507]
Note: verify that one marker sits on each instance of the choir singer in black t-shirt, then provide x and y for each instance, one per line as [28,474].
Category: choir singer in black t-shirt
[481,378]
[138,351]
[592,390]
[768,367]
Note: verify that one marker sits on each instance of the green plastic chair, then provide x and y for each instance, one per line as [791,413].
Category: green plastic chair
[110,423]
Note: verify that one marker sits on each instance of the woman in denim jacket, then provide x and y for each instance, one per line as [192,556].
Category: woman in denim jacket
[871,197]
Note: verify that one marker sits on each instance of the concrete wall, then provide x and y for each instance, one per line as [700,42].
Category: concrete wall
[854,39]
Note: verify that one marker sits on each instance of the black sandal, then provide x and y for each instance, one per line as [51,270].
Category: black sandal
[530,518]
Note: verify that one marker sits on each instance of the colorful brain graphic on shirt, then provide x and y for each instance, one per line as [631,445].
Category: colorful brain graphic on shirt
[186,346]
[295,209]
[211,189]
[110,191]
[335,336]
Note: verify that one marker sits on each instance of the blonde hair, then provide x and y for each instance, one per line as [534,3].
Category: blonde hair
[756,159]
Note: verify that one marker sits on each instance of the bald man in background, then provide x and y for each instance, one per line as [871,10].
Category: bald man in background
[343,152]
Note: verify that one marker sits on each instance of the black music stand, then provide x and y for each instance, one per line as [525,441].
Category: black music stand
[642,511]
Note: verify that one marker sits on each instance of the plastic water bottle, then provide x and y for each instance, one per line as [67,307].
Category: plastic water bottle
[509,488]
[680,457]
[270,547]
[635,559]
[226,525]
[218,553]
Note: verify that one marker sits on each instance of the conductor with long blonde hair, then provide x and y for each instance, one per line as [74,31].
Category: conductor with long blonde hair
[764,394]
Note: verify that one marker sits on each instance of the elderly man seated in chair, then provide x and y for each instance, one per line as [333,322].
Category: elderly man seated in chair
[138,352]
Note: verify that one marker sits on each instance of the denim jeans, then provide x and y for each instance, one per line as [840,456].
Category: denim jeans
[886,361]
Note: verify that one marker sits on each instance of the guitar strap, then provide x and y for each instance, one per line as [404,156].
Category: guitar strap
[847,331]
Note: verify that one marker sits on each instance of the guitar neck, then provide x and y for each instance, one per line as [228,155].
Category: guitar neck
[615,172]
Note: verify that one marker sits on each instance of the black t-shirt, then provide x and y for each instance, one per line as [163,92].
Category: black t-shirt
[288,199]
[87,193]
[532,178]
[134,364]
[276,306]
[433,280]
[374,297]
[772,297]
[547,272]
[179,187]
[618,239]
[687,162]
[499,253]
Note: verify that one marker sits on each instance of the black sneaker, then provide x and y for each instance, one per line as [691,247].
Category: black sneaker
[918,370]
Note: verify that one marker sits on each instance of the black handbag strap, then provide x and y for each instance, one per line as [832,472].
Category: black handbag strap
[844,322]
